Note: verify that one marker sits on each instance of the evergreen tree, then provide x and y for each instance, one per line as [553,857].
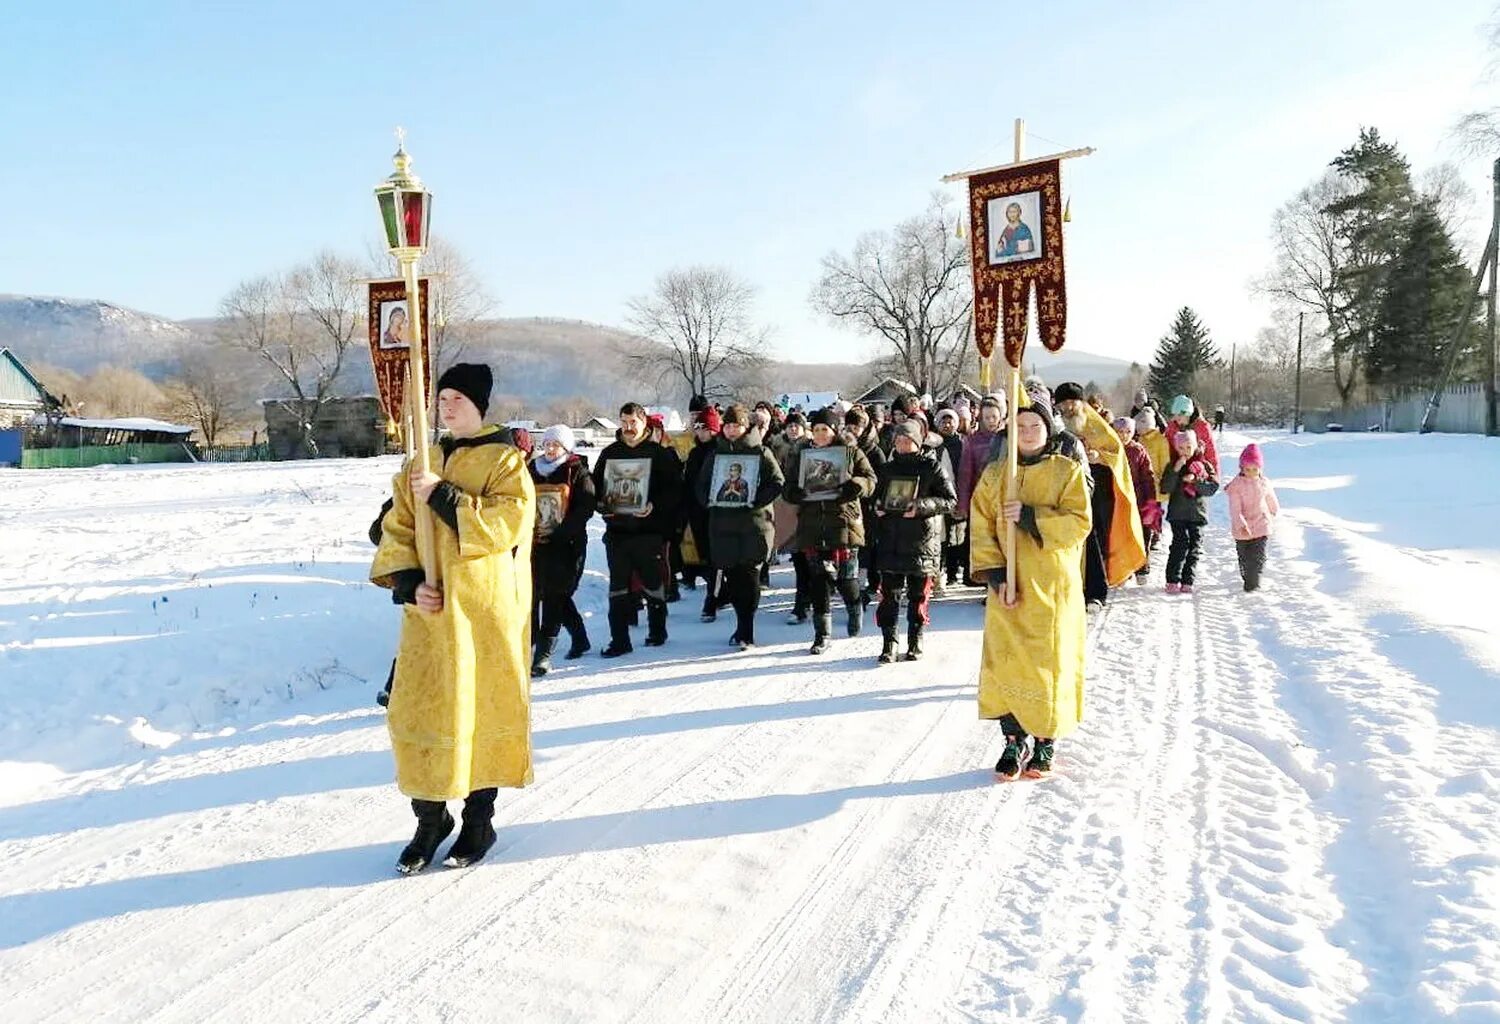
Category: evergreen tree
[1423,295]
[1370,223]
[1184,351]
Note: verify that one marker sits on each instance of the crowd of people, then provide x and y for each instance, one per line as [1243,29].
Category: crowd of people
[871,506]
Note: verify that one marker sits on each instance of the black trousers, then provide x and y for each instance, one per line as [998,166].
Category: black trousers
[956,550]
[641,555]
[918,589]
[1096,551]
[1149,537]
[830,571]
[1095,583]
[1252,555]
[556,570]
[742,587]
[803,577]
[1182,557]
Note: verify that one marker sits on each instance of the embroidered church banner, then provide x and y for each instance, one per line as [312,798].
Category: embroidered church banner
[390,339]
[1017,248]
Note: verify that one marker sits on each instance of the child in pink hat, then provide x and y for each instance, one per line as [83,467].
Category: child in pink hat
[1252,511]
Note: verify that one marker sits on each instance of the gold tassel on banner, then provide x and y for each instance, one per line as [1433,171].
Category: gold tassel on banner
[1068,211]
[958,228]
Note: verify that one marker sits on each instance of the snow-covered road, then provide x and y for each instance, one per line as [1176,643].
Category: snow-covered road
[1281,806]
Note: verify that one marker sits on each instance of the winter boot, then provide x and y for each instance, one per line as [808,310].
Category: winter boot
[579,641]
[1017,752]
[619,627]
[744,634]
[888,647]
[434,824]
[913,643]
[1187,588]
[1040,764]
[541,661]
[383,698]
[798,617]
[1174,588]
[656,622]
[478,834]
[822,626]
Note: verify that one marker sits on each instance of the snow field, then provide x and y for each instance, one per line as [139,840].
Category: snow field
[1280,806]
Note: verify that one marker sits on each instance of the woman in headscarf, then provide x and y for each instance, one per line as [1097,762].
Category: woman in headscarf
[564,485]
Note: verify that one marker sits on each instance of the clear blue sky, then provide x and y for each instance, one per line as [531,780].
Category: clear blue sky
[161,152]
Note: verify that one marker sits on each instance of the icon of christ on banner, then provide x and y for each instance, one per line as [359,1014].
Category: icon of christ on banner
[1015,224]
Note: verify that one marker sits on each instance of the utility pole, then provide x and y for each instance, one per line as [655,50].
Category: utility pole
[1233,350]
[1490,427]
[1297,395]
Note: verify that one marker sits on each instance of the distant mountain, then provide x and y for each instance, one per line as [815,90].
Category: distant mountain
[1072,365]
[83,334]
[537,360]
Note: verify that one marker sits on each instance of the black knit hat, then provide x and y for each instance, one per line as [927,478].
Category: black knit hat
[795,417]
[472,380]
[827,417]
[1042,408]
[1068,392]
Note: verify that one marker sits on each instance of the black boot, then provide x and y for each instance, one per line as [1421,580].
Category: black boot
[478,834]
[578,638]
[383,698]
[619,626]
[822,626]
[888,647]
[913,643]
[656,622]
[1013,758]
[541,660]
[434,824]
[744,632]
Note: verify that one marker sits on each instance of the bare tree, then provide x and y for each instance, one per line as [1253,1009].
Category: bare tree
[1478,133]
[575,410]
[461,303]
[117,391]
[207,389]
[301,324]
[1452,199]
[909,288]
[1311,257]
[701,319]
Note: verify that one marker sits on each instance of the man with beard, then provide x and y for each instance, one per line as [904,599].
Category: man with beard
[1114,542]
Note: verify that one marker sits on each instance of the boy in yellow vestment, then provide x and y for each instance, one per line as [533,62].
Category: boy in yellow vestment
[460,710]
[1031,668]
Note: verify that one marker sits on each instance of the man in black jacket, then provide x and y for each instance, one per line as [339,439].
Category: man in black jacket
[635,532]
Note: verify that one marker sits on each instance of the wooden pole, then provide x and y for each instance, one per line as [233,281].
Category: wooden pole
[1018,162]
[426,539]
[1012,465]
[1429,415]
[1297,393]
[1491,428]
